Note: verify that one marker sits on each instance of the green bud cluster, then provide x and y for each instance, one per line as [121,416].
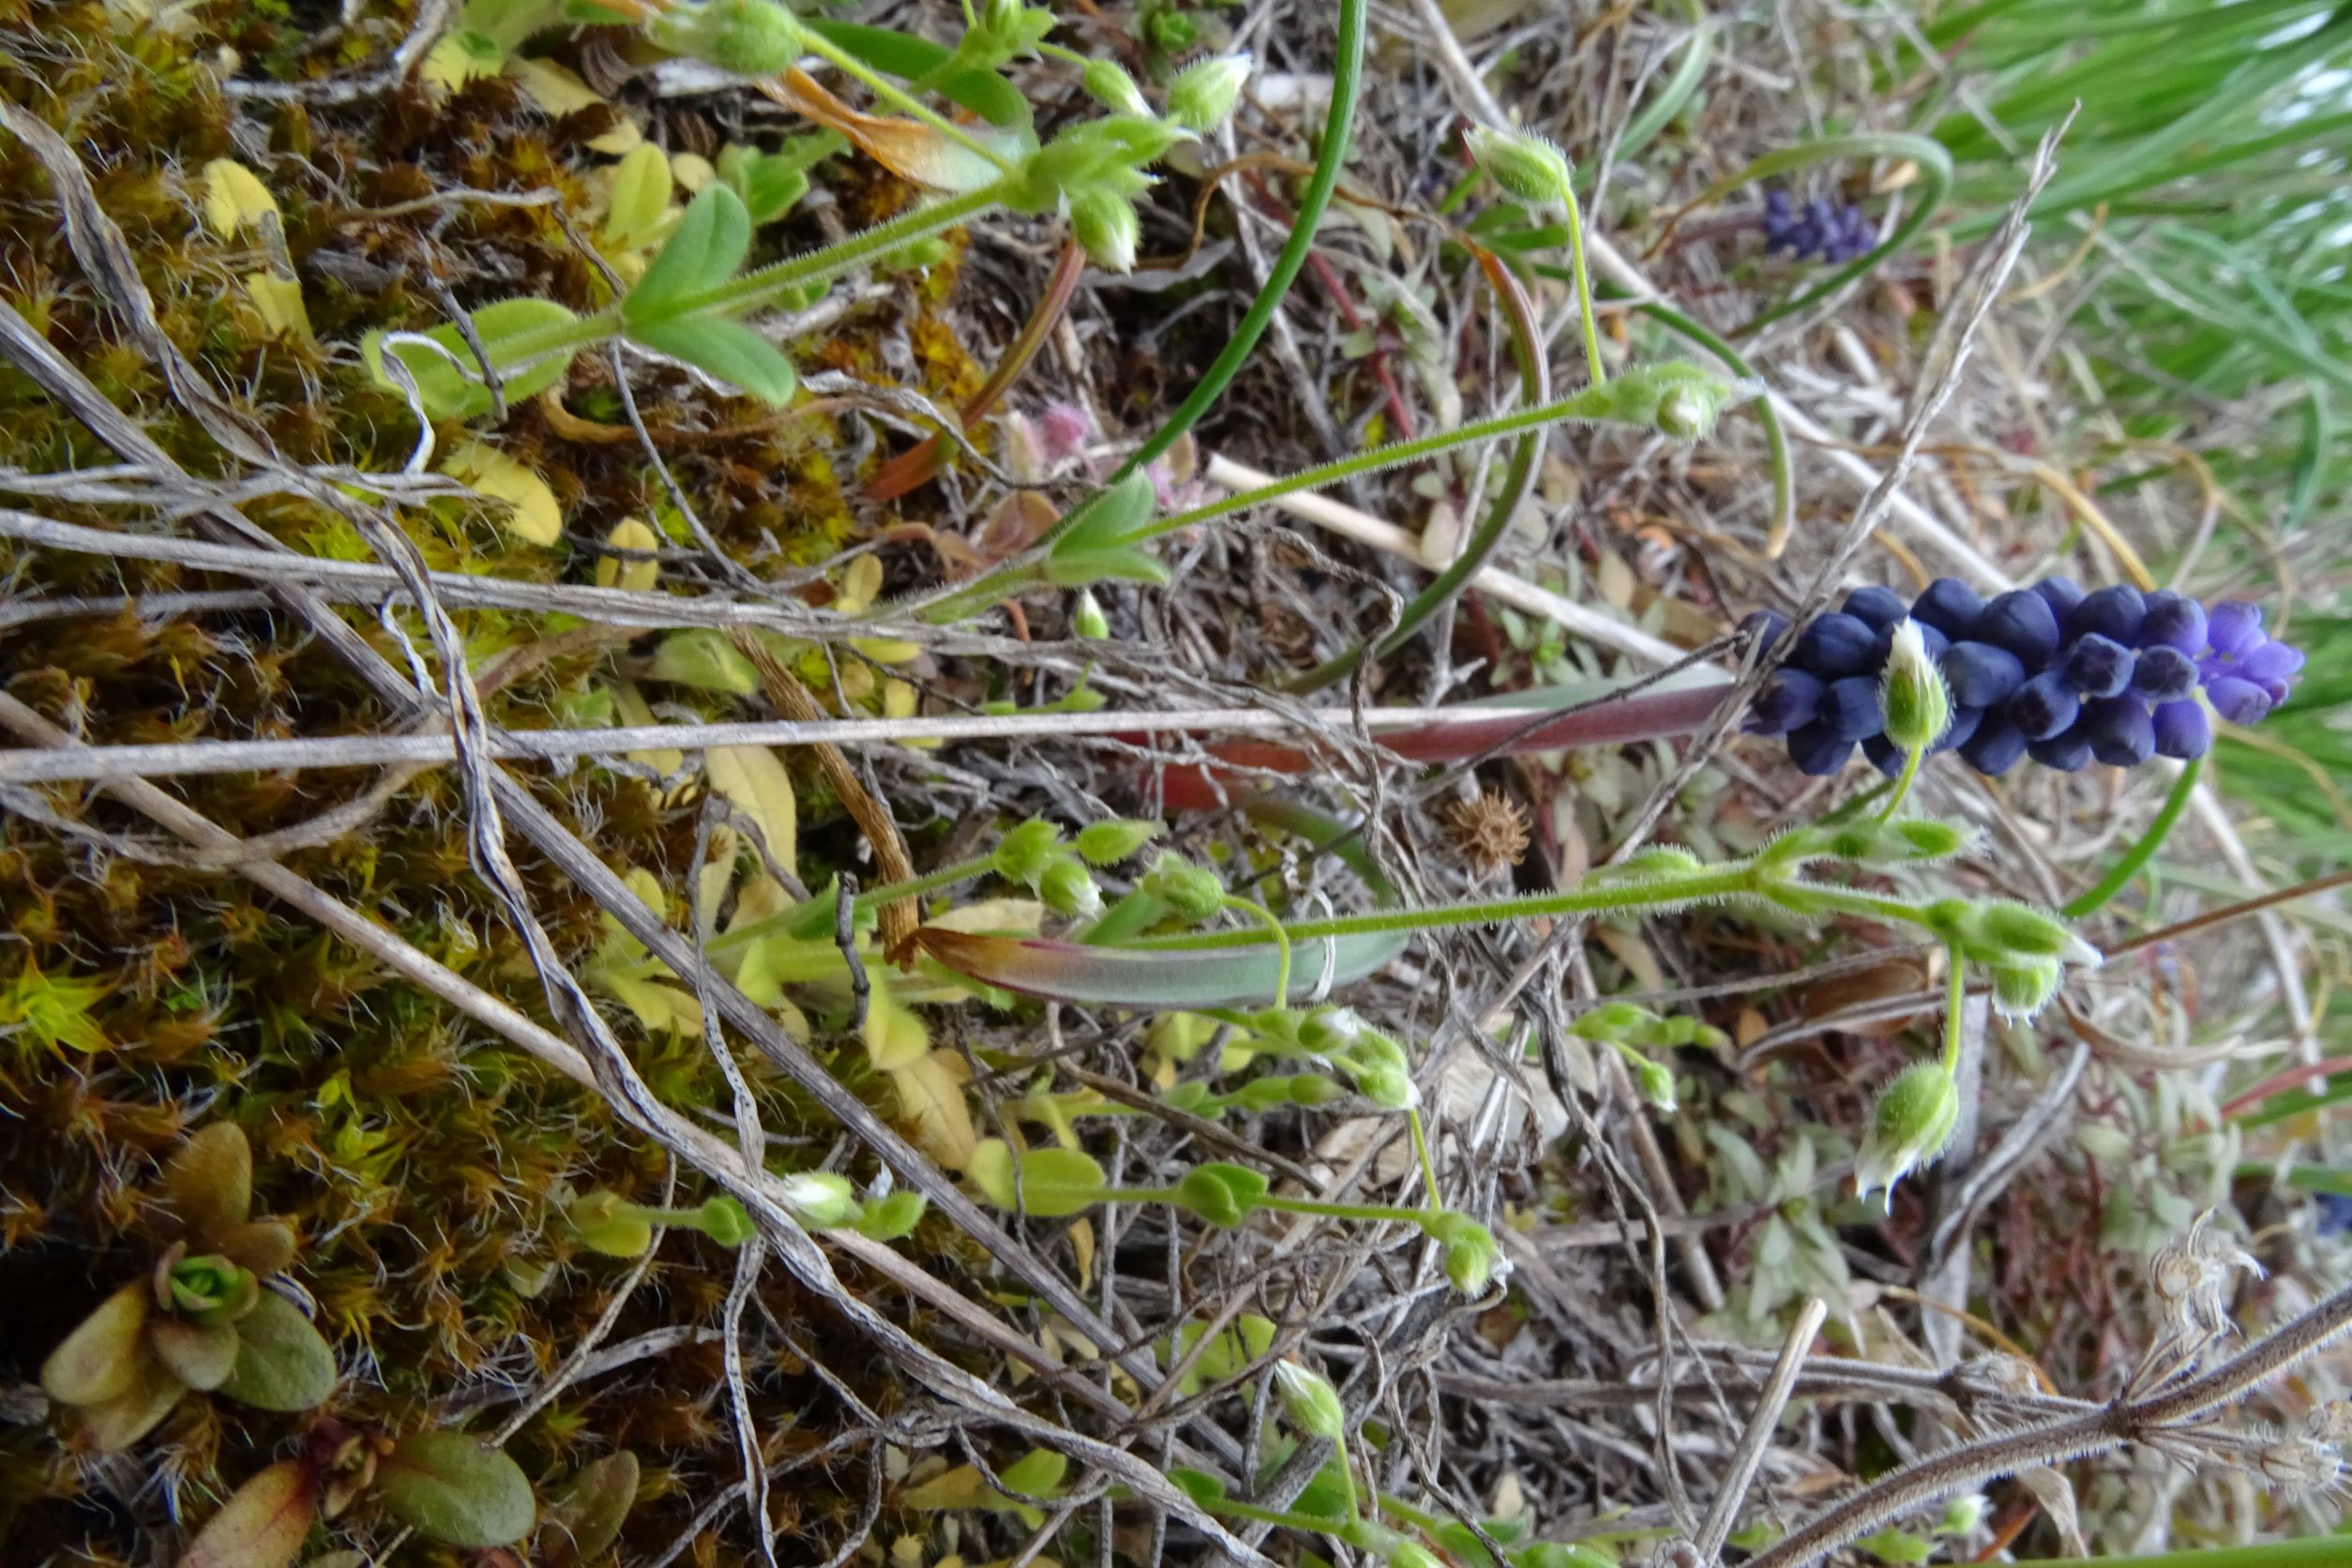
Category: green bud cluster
[1032,854]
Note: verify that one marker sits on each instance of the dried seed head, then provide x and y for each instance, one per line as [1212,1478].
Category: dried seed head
[2300,1465]
[2192,1275]
[1490,831]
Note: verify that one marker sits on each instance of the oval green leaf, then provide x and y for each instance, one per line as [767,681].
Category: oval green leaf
[727,349]
[283,1364]
[449,394]
[708,248]
[457,1490]
[584,1520]
[100,1358]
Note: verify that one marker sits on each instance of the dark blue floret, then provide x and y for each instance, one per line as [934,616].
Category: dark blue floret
[2182,731]
[1981,674]
[2162,674]
[1850,709]
[1882,608]
[1964,724]
[2067,753]
[2021,622]
[1950,606]
[1763,627]
[1995,747]
[2047,671]
[1789,699]
[2098,666]
[2061,594]
[1817,752]
[2120,732]
[1820,230]
[2117,613]
[2174,621]
[1836,644]
[2044,706]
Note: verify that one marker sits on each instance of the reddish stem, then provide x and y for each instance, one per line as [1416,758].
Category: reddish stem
[1612,721]
[2279,1083]
[920,463]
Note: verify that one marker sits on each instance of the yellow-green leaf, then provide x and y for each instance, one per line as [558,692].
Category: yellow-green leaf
[532,511]
[931,1099]
[757,784]
[619,571]
[99,1360]
[1051,1184]
[894,1037]
[233,196]
[279,302]
[641,196]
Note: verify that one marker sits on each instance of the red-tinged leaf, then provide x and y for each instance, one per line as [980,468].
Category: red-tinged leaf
[1592,717]
[263,1524]
[1160,977]
[908,148]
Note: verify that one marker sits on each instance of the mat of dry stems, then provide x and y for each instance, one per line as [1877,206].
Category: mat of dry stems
[1595,1398]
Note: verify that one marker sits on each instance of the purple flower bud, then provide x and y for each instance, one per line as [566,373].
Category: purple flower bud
[2120,732]
[2174,621]
[1948,605]
[1789,699]
[1981,674]
[2240,702]
[2162,674]
[2117,613]
[1881,608]
[2269,662]
[2061,594]
[1995,747]
[2067,753]
[2021,622]
[2182,731]
[2044,707]
[2098,666]
[1850,709]
[1817,752]
[1964,724]
[1836,644]
[2232,628]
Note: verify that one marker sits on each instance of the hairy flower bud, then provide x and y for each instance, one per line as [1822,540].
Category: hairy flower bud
[1068,888]
[1088,619]
[820,1199]
[1108,843]
[1192,891]
[1470,1258]
[1109,85]
[2023,987]
[1528,167]
[1909,1129]
[1023,853]
[1918,706]
[1203,94]
[751,38]
[1106,227]
[1310,1401]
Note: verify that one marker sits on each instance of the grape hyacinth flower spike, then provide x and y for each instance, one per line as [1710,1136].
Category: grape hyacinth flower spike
[1820,230]
[2051,672]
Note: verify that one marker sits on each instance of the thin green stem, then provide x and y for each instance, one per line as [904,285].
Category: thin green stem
[2138,856]
[1718,883]
[1421,1151]
[1955,1000]
[1347,76]
[1281,941]
[1903,782]
[1535,386]
[1342,1211]
[890,92]
[1584,287]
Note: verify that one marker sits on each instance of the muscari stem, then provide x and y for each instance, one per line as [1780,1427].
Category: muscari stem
[2137,858]
[1535,385]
